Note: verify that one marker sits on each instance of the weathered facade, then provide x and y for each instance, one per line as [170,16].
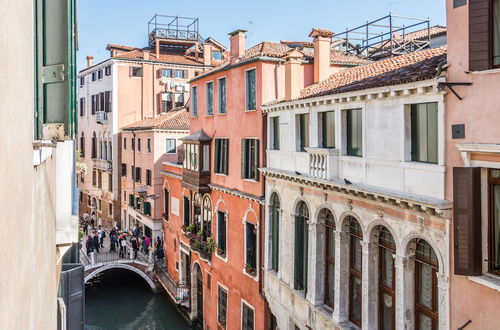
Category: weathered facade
[357,225]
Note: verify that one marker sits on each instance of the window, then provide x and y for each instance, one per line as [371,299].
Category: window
[191,157]
[275,231]
[107,70]
[496,33]
[187,211]
[94,178]
[206,157]
[124,169]
[275,133]
[135,71]
[94,146]
[99,74]
[424,141]
[221,156]
[302,131]
[327,220]
[247,317]
[221,233]
[110,209]
[210,98]
[178,100]
[166,198]
[99,180]
[94,104]
[221,306]
[386,280]
[102,102]
[170,147]
[354,133]
[222,95]
[166,73]
[250,159]
[355,277]
[139,144]
[216,55]
[180,73]
[327,130]
[426,302]
[138,173]
[194,101]
[250,90]
[82,146]
[148,177]
[148,145]
[94,76]
[107,102]
[124,143]
[132,143]
[207,218]
[301,247]
[494,222]
[132,171]
[82,81]
[82,107]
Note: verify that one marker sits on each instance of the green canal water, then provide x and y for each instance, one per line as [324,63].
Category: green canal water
[120,299]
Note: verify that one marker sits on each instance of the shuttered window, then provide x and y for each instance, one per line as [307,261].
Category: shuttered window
[221,156]
[250,159]
[467,220]
[484,38]
[194,101]
[424,132]
[302,131]
[221,233]
[147,208]
[247,317]
[354,133]
[250,90]
[494,222]
[275,133]
[210,98]
[55,66]
[222,95]
[301,247]
[327,122]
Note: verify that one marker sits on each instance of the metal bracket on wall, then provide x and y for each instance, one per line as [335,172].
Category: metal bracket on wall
[442,85]
[53,73]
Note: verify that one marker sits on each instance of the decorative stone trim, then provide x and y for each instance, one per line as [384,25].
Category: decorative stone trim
[237,193]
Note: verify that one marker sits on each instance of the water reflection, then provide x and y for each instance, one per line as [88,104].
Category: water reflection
[120,299]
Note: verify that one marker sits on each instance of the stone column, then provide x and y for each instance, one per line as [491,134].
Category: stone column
[404,294]
[369,286]
[341,312]
[443,300]
[314,280]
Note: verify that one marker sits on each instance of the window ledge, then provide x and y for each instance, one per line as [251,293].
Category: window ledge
[220,174]
[490,71]
[253,277]
[251,180]
[489,280]
[223,258]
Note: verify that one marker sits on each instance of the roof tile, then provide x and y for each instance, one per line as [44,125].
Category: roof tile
[173,120]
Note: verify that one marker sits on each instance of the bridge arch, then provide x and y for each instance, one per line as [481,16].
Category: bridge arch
[121,266]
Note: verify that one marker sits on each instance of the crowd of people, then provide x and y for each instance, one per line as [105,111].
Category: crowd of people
[118,240]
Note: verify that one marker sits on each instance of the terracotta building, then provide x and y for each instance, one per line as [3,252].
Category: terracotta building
[214,243]
[473,161]
[131,85]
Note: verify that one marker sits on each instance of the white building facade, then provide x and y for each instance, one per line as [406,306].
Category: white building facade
[357,228]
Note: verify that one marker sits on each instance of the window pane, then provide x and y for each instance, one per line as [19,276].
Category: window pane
[275,135]
[303,132]
[250,90]
[222,95]
[355,300]
[331,242]
[425,322]
[388,267]
[194,102]
[210,98]
[424,140]
[330,283]
[496,32]
[495,227]
[354,132]
[425,286]
[386,311]
[328,129]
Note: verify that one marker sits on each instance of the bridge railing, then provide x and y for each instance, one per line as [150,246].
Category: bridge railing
[179,293]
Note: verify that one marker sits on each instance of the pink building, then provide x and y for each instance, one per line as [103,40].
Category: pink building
[473,161]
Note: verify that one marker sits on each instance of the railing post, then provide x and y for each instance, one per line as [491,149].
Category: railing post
[92,259]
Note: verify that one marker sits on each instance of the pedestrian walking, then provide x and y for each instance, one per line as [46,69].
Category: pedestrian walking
[92,220]
[89,244]
[112,245]
[123,246]
[86,227]
[96,241]
[135,246]
[145,245]
[160,255]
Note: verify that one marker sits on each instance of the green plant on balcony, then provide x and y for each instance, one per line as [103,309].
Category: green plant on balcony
[250,270]
[189,228]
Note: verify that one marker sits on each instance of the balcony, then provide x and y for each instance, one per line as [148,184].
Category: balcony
[101,117]
[323,163]
[103,164]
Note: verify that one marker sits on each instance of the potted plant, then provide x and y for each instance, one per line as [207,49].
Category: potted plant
[210,244]
[249,269]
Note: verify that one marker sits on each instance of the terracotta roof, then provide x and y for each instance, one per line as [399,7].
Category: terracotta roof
[197,136]
[168,56]
[173,120]
[392,71]
[321,32]
[110,46]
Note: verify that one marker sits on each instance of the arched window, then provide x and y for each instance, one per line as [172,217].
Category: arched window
[110,151]
[275,231]
[82,145]
[207,217]
[355,277]
[105,150]
[386,281]
[327,220]
[301,244]
[94,145]
[426,302]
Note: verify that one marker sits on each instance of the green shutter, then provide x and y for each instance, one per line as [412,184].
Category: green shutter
[147,208]
[217,156]
[243,158]
[226,156]
[256,161]
[131,200]
[55,68]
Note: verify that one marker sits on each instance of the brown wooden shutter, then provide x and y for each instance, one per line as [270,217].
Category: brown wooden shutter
[467,220]
[243,158]
[479,35]
[256,160]
[226,157]
[158,73]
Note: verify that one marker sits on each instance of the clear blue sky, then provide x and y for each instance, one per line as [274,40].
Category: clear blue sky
[125,21]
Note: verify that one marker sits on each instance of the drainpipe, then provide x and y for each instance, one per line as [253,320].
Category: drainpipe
[142,92]
[262,211]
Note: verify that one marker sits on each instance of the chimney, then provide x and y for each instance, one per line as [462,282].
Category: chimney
[207,54]
[90,61]
[237,40]
[294,81]
[145,54]
[322,41]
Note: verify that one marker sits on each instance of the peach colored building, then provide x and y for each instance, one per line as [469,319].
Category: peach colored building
[214,247]
[473,161]
[145,145]
[132,85]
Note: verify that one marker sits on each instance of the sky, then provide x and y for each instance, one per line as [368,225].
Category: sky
[125,21]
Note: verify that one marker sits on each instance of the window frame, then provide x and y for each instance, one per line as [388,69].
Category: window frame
[175,146]
[225,219]
[353,272]
[491,218]
[247,96]
[382,287]
[194,100]
[148,145]
[492,37]
[221,159]
[138,144]
[274,217]
[149,177]
[226,291]
[209,98]
[419,308]
[136,71]
[124,170]
[251,260]
[251,308]
[348,137]
[274,125]
[303,131]
[301,212]
[415,154]
[329,226]
[248,162]
[221,111]
[322,130]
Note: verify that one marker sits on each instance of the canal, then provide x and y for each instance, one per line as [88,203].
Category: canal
[120,299]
